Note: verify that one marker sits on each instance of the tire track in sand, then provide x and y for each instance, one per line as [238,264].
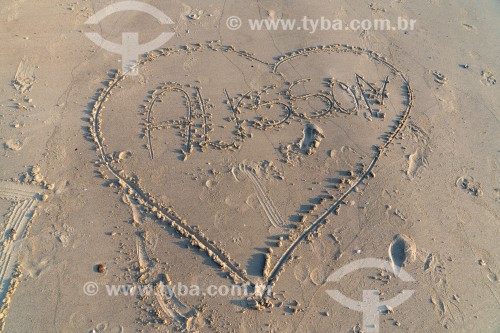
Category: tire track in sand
[24,199]
[265,201]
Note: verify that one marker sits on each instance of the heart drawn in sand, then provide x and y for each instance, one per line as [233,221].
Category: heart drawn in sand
[223,146]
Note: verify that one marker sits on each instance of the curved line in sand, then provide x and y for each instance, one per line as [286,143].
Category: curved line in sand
[202,242]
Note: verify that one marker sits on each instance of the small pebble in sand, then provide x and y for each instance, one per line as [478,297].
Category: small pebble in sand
[101,268]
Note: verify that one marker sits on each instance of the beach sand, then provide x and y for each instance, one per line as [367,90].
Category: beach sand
[292,163]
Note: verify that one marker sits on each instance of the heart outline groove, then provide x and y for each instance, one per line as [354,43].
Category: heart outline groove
[196,237]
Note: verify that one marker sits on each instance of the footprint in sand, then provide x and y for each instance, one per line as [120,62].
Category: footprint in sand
[402,251]
[488,78]
[468,184]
